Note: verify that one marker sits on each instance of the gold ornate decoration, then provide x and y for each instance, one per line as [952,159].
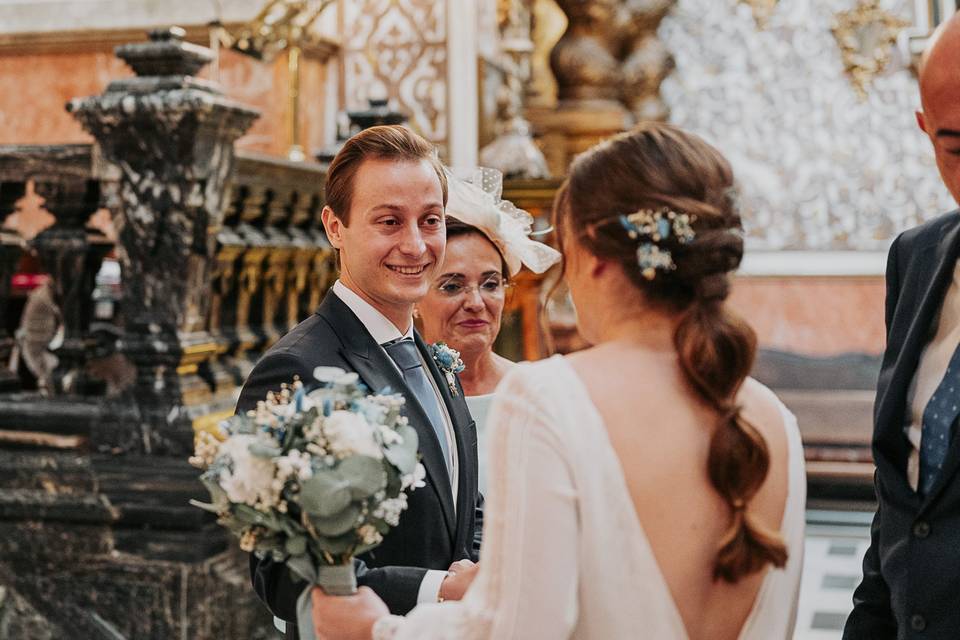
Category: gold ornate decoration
[762,10]
[283,25]
[647,61]
[513,152]
[866,35]
[397,50]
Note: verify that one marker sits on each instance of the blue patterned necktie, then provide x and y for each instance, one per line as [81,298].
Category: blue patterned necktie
[404,353]
[938,417]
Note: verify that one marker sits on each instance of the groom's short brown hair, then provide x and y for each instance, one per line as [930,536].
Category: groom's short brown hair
[385,142]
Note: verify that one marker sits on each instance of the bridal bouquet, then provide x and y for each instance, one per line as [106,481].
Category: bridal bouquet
[312,479]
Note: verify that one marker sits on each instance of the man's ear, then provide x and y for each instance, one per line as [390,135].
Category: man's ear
[921,121]
[333,226]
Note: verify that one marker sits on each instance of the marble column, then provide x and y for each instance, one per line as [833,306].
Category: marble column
[169,136]
[72,255]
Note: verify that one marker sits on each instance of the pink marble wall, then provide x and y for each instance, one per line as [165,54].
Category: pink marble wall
[35,87]
[816,316]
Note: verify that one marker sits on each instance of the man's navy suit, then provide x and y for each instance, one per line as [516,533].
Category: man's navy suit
[911,582]
[433,532]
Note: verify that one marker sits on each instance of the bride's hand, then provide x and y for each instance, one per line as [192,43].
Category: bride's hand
[346,617]
[459,578]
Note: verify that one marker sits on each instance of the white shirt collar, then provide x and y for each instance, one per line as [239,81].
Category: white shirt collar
[380,328]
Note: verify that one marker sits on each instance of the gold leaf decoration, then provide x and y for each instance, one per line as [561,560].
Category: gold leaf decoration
[762,10]
[866,35]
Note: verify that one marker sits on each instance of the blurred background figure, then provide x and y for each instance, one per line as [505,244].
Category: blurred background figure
[488,241]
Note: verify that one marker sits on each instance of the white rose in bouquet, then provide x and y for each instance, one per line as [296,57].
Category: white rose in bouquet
[349,433]
[249,478]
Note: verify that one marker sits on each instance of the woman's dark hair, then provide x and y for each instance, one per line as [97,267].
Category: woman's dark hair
[457,228]
[659,166]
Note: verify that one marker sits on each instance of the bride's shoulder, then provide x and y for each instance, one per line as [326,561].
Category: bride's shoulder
[535,377]
[766,413]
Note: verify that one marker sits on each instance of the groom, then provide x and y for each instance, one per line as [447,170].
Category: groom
[386,194]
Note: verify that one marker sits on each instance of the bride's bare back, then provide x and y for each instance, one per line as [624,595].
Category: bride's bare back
[661,435]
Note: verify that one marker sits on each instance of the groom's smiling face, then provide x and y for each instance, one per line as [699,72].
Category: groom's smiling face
[393,247]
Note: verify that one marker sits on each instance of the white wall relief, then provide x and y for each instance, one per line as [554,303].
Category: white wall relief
[820,169]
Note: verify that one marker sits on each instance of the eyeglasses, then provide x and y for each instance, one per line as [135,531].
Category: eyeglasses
[493,287]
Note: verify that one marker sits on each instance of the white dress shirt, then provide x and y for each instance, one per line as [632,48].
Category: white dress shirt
[383,330]
[930,371]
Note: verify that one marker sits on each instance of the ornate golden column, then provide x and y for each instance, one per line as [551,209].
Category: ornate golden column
[647,61]
[589,78]
[608,67]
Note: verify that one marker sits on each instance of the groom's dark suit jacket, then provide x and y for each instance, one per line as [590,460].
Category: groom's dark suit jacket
[911,582]
[432,533]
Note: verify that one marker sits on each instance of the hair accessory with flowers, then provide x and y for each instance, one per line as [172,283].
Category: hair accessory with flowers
[312,479]
[654,226]
[448,359]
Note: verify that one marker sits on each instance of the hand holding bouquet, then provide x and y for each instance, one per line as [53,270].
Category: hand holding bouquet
[312,479]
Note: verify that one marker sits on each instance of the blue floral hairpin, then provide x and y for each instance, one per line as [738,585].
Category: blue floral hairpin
[655,226]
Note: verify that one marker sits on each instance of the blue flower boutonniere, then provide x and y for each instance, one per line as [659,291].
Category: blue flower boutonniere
[449,362]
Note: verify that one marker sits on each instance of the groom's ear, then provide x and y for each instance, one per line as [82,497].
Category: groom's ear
[333,226]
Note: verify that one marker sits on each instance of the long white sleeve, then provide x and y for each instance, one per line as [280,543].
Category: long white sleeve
[528,579]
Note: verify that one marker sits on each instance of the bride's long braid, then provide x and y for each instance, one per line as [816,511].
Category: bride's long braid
[658,167]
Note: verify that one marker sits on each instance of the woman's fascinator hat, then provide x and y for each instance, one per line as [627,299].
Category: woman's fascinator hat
[474,198]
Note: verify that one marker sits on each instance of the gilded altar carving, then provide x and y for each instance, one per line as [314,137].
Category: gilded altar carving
[397,49]
[762,10]
[866,36]
[585,60]
[647,61]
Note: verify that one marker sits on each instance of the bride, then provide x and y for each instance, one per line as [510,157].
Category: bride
[646,487]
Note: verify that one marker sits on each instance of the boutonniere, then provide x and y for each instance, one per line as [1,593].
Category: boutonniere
[449,362]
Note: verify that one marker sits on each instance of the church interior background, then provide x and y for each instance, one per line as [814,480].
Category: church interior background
[162,165]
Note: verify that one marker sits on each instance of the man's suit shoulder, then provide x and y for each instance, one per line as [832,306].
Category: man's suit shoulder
[929,231]
[309,335]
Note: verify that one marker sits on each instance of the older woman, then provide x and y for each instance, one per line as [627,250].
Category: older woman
[487,243]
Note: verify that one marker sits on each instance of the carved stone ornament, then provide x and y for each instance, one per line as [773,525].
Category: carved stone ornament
[170,139]
[866,36]
[817,167]
[762,9]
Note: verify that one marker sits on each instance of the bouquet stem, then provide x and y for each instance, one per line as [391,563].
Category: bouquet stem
[337,579]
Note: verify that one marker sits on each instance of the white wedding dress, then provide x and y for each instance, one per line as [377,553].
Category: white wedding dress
[564,555]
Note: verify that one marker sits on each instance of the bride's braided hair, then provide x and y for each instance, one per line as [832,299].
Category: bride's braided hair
[658,167]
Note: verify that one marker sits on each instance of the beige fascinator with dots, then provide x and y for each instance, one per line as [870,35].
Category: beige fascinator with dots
[474,198]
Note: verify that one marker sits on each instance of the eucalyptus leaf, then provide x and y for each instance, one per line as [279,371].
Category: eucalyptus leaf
[404,455]
[296,545]
[337,524]
[326,493]
[364,474]
[303,566]
[206,507]
[336,546]
[251,516]
[217,495]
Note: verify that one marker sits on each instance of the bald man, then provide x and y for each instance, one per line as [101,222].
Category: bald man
[911,572]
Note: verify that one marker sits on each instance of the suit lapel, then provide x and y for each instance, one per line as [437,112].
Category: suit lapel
[937,273]
[464,429]
[379,372]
